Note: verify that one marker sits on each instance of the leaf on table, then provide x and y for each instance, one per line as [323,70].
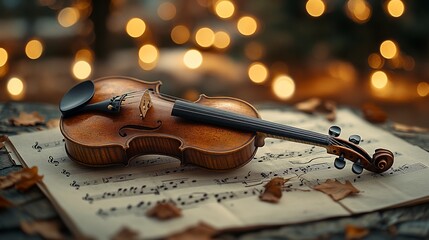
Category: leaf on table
[336,189]
[409,129]
[273,190]
[27,119]
[354,232]
[316,105]
[48,229]
[164,211]
[201,231]
[309,106]
[23,179]
[4,203]
[53,123]
[373,113]
[126,234]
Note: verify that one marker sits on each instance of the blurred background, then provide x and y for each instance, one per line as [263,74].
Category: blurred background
[350,51]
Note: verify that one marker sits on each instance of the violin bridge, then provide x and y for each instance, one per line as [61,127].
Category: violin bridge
[145,104]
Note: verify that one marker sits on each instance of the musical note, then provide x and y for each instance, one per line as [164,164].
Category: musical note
[66,173]
[40,146]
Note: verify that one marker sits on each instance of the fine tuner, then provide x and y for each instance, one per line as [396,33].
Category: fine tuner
[114,119]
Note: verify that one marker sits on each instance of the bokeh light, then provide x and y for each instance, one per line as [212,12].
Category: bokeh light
[3,57]
[257,72]
[135,27]
[423,89]
[68,16]
[375,61]
[167,11]
[15,86]
[222,39]
[205,37]
[283,87]
[395,8]
[193,59]
[254,50]
[388,49]
[315,8]
[148,53]
[34,49]
[224,8]
[247,25]
[358,10]
[81,69]
[180,34]
[84,54]
[379,79]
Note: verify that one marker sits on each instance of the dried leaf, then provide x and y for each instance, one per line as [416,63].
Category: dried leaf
[316,105]
[126,234]
[273,190]
[4,203]
[27,119]
[409,129]
[164,211]
[331,110]
[202,231]
[53,123]
[23,179]
[47,229]
[309,106]
[373,113]
[354,232]
[336,189]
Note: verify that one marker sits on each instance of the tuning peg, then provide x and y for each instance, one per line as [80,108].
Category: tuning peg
[334,131]
[357,167]
[339,162]
[354,139]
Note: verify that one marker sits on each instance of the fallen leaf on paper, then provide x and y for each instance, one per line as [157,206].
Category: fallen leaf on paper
[23,179]
[336,189]
[202,231]
[27,119]
[407,128]
[4,203]
[47,229]
[309,106]
[164,211]
[316,105]
[273,190]
[354,232]
[373,113]
[53,123]
[126,234]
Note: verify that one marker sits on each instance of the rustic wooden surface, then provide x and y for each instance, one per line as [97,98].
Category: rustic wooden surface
[400,223]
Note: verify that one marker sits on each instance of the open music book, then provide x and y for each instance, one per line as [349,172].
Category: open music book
[97,202]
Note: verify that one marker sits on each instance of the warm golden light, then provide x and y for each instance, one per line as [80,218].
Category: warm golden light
[258,72]
[423,89]
[254,50]
[388,49]
[224,8]
[3,57]
[167,11]
[68,16]
[283,87]
[222,39]
[81,69]
[315,7]
[358,10]
[247,25]
[395,8]
[135,27]
[147,66]
[34,49]
[193,59]
[375,61]
[84,54]
[180,34]
[379,79]
[205,37]
[15,86]
[148,53]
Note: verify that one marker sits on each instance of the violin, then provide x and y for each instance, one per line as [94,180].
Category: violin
[112,120]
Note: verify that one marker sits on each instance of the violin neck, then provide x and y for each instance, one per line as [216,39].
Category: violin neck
[209,115]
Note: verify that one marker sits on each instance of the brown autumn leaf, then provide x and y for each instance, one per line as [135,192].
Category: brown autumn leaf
[164,211]
[48,229]
[409,129]
[4,203]
[354,232]
[316,105]
[336,189]
[202,231]
[27,119]
[23,179]
[53,123]
[373,113]
[126,234]
[273,190]
[309,106]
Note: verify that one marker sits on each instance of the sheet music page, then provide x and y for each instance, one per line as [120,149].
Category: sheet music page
[100,201]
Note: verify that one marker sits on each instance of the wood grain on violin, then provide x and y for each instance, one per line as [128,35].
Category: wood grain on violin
[114,119]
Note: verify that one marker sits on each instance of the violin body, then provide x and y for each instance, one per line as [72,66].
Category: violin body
[107,139]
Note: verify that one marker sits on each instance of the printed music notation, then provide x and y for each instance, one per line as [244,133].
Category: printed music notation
[105,196]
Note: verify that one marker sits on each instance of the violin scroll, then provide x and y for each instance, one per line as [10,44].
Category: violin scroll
[382,159]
